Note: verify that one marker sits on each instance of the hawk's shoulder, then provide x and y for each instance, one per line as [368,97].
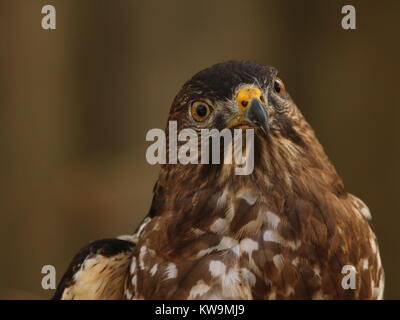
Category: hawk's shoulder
[360,207]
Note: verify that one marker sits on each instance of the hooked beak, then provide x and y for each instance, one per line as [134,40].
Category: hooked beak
[253,114]
[256,114]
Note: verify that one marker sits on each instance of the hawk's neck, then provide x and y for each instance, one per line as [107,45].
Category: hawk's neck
[211,199]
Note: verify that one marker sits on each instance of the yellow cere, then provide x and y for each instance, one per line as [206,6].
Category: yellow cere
[245,94]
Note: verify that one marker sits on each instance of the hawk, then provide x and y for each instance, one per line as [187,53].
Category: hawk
[288,230]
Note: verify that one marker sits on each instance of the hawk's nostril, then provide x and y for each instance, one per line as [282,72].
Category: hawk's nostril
[245,103]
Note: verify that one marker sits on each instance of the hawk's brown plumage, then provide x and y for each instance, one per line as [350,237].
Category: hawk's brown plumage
[285,231]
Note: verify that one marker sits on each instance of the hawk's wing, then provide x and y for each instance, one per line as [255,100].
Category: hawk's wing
[97,271]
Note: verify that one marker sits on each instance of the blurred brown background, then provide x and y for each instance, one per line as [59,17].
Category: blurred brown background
[76,103]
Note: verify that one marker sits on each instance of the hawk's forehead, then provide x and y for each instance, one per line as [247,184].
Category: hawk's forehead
[220,81]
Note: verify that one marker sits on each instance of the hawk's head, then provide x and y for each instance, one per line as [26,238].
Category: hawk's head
[234,94]
[245,94]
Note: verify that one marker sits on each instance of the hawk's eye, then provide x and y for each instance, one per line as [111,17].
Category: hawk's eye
[279,87]
[200,111]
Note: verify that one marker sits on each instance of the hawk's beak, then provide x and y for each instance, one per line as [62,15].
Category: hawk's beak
[256,114]
[249,99]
